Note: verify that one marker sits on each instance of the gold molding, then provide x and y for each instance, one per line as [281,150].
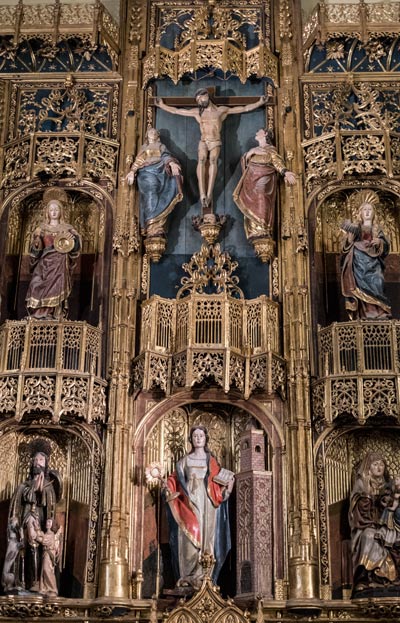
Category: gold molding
[221,54]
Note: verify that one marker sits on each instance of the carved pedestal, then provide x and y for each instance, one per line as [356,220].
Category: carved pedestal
[254,518]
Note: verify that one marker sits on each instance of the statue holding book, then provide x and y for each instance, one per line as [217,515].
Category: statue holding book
[197,494]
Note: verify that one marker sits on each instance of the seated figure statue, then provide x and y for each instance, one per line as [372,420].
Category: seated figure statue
[373,548]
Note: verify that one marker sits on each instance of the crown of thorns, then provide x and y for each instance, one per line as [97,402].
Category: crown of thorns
[201,92]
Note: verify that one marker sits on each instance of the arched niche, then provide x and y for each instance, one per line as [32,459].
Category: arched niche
[163,438]
[337,459]
[88,210]
[325,218]
[76,453]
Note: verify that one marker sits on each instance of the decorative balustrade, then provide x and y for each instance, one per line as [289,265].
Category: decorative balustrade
[220,338]
[336,154]
[232,342]
[51,367]
[359,370]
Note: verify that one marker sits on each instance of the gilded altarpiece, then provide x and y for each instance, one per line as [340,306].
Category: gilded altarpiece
[350,143]
[193,341]
[60,92]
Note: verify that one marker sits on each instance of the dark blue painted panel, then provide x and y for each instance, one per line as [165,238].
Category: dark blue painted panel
[181,135]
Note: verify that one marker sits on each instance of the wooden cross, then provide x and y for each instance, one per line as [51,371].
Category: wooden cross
[218,100]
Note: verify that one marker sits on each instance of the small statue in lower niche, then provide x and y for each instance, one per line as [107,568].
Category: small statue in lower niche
[375,541]
[32,513]
[197,494]
[11,562]
[51,547]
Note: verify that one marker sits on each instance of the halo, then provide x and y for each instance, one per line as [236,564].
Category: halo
[360,197]
[40,445]
[58,194]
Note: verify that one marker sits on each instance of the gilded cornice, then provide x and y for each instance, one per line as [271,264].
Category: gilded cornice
[355,20]
[231,37]
[221,54]
[53,22]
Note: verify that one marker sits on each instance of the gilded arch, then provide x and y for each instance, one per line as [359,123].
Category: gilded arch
[78,454]
[337,452]
[269,415]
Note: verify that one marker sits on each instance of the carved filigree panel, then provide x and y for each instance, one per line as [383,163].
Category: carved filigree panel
[349,127]
[342,52]
[81,107]
[235,39]
[175,24]
[66,130]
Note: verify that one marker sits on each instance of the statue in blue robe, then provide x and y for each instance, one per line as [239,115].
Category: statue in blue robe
[365,248]
[159,181]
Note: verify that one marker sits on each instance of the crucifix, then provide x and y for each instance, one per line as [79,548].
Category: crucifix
[210,112]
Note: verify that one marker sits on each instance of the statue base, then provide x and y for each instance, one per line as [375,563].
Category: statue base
[392,590]
[264,248]
[209,226]
[155,247]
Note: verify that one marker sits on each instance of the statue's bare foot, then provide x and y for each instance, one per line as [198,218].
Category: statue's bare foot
[182,583]
[204,202]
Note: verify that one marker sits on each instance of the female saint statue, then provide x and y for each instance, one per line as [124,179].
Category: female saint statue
[55,246]
[373,564]
[159,181]
[364,250]
[197,494]
[256,191]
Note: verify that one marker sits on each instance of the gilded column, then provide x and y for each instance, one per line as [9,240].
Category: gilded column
[114,577]
[303,573]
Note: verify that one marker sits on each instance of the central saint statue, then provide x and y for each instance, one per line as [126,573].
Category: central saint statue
[197,494]
[210,118]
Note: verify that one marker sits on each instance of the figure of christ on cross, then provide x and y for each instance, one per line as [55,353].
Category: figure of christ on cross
[210,118]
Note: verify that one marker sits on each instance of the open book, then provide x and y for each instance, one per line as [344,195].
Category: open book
[223,477]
